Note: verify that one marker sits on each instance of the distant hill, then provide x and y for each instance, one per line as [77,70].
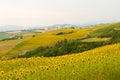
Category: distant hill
[87,53]
[15,27]
[11,28]
[52,27]
[111,31]
[8,34]
[99,35]
[49,38]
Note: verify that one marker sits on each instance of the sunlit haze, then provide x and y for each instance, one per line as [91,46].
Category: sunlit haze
[49,12]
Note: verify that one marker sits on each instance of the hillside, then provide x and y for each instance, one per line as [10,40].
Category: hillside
[49,38]
[64,54]
[16,33]
[7,43]
[112,31]
[4,35]
[52,37]
[100,35]
[98,64]
[79,40]
[11,28]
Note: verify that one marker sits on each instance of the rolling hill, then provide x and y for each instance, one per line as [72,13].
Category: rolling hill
[112,31]
[99,36]
[7,43]
[48,38]
[95,62]
[4,35]
[11,28]
[98,64]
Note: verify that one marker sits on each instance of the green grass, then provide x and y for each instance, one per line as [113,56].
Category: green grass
[4,35]
[107,31]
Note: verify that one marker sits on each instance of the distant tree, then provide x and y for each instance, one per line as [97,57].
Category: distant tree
[33,36]
[21,37]
[72,27]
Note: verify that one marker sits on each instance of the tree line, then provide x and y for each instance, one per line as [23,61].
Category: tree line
[62,48]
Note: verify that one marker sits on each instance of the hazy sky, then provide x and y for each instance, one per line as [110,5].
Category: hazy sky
[48,12]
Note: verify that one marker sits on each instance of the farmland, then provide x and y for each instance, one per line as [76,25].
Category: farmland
[99,64]
[65,54]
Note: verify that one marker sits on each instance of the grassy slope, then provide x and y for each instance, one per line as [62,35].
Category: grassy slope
[6,46]
[49,38]
[99,64]
[4,35]
[109,31]
[112,31]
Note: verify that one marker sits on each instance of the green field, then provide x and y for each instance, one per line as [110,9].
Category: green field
[4,35]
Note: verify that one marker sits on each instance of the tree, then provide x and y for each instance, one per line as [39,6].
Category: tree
[21,37]
[33,36]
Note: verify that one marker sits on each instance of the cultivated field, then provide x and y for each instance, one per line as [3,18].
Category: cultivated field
[101,62]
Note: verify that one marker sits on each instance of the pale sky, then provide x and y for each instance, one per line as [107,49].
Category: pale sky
[49,12]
